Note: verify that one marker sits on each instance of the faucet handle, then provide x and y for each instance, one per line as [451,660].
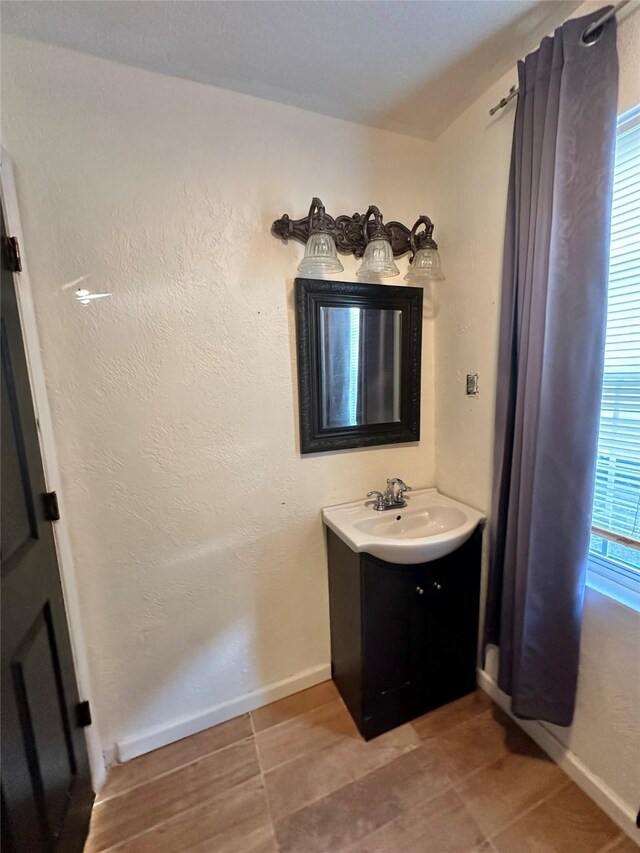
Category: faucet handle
[380,499]
[400,483]
[402,486]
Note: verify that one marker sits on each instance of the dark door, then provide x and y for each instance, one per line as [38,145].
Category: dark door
[46,788]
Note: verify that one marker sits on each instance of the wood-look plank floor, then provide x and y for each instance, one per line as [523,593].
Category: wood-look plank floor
[296,777]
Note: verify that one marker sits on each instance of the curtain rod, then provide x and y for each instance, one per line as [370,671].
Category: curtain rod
[590,31]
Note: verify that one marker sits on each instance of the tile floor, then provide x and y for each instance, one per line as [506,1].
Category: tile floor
[296,777]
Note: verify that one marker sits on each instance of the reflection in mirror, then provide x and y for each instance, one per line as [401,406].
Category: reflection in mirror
[359,365]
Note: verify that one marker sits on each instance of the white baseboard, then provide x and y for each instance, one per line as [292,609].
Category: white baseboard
[592,785]
[131,747]
[110,757]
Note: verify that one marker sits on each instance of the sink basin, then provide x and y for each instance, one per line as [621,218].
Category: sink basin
[429,527]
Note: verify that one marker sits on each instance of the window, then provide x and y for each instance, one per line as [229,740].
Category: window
[615,541]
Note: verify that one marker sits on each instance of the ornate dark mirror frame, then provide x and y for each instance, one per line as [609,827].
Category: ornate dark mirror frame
[311,295]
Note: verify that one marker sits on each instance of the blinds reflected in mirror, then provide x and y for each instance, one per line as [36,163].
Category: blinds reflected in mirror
[360,365]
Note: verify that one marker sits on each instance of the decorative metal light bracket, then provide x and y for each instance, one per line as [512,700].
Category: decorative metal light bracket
[352,233]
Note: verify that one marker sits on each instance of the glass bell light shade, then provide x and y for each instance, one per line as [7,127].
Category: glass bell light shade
[320,255]
[377,261]
[425,266]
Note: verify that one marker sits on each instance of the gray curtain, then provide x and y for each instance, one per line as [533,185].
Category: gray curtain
[552,327]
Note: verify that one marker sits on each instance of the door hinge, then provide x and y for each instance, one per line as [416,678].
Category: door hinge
[11,250]
[51,508]
[83,714]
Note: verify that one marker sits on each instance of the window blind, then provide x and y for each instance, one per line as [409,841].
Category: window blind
[616,511]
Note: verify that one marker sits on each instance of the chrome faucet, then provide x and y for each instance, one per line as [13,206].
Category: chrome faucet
[393,497]
[398,494]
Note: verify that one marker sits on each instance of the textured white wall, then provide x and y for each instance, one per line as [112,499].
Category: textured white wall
[472,159]
[194,520]
[174,402]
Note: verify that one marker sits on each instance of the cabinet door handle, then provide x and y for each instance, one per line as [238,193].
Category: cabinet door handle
[419,590]
[437,585]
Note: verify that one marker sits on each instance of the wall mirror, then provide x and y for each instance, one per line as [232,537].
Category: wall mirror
[359,352]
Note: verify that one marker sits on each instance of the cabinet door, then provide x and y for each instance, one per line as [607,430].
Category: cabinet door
[394,635]
[419,635]
[452,591]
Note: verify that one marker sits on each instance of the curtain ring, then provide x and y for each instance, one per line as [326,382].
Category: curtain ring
[589,38]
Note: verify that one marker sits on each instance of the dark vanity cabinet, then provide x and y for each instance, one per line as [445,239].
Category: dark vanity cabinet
[403,638]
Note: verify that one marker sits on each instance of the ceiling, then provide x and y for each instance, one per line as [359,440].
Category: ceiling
[410,66]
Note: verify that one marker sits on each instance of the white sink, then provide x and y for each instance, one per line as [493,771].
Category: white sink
[429,527]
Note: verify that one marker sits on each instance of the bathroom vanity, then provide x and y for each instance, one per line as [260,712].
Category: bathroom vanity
[403,635]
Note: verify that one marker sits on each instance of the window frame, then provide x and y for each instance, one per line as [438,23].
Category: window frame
[604,573]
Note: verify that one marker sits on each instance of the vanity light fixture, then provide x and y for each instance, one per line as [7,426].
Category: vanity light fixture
[320,250]
[425,265]
[365,236]
[377,261]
